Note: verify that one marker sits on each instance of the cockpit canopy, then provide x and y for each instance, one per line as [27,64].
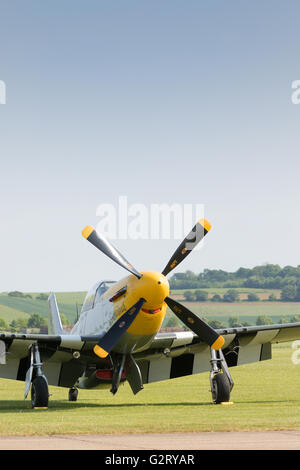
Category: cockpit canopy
[95,293]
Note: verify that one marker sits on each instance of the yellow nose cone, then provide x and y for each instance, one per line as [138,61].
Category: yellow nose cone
[153,287]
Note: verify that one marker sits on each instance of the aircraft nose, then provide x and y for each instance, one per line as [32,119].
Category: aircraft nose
[155,288]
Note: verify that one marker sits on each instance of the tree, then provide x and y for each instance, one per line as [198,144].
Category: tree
[201,295]
[272,298]
[246,323]
[18,325]
[295,319]
[216,298]
[243,273]
[231,296]
[188,295]
[3,325]
[288,293]
[233,322]
[36,321]
[297,296]
[253,298]
[13,326]
[264,320]
[189,275]
[216,324]
[16,293]
[21,324]
[283,320]
[42,297]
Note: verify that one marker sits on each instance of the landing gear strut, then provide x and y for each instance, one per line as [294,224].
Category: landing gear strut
[39,384]
[118,367]
[220,378]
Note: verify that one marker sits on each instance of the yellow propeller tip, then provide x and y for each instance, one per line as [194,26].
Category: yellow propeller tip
[205,223]
[86,232]
[100,351]
[220,341]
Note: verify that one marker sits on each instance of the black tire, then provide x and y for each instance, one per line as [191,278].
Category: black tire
[221,388]
[73,394]
[39,392]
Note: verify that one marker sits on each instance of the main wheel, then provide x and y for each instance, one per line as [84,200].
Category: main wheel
[220,388]
[73,394]
[39,392]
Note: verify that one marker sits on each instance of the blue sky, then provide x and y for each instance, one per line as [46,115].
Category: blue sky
[164,102]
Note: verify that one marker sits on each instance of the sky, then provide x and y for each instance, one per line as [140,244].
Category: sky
[162,102]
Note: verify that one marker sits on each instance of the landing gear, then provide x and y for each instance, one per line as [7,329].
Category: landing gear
[220,378]
[36,379]
[220,388]
[39,392]
[73,394]
[118,367]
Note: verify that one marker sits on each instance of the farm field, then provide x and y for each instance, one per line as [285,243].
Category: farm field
[263,294]
[14,307]
[245,311]
[263,400]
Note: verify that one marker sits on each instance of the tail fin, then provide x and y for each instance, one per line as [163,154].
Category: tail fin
[54,321]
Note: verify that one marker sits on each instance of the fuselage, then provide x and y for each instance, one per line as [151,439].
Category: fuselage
[101,309]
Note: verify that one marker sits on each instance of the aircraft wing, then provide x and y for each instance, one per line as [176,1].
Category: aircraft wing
[177,354]
[58,354]
[169,355]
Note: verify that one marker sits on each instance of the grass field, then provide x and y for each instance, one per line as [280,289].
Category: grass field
[266,396]
[245,311]
[240,290]
[13,307]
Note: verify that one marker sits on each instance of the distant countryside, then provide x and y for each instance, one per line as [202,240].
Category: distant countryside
[265,294]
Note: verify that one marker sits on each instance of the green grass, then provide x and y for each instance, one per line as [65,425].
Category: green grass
[10,313]
[16,307]
[245,311]
[222,290]
[264,398]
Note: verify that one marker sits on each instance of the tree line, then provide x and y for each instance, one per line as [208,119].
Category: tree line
[287,294]
[20,325]
[268,276]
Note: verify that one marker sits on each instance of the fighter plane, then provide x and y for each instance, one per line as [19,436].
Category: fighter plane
[117,337]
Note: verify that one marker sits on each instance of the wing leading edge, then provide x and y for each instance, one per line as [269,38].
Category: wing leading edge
[177,354]
[170,355]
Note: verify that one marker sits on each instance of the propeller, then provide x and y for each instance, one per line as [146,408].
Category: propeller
[114,334]
[206,333]
[100,242]
[197,233]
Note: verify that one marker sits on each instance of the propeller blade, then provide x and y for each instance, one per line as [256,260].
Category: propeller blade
[114,334]
[205,332]
[188,244]
[100,242]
